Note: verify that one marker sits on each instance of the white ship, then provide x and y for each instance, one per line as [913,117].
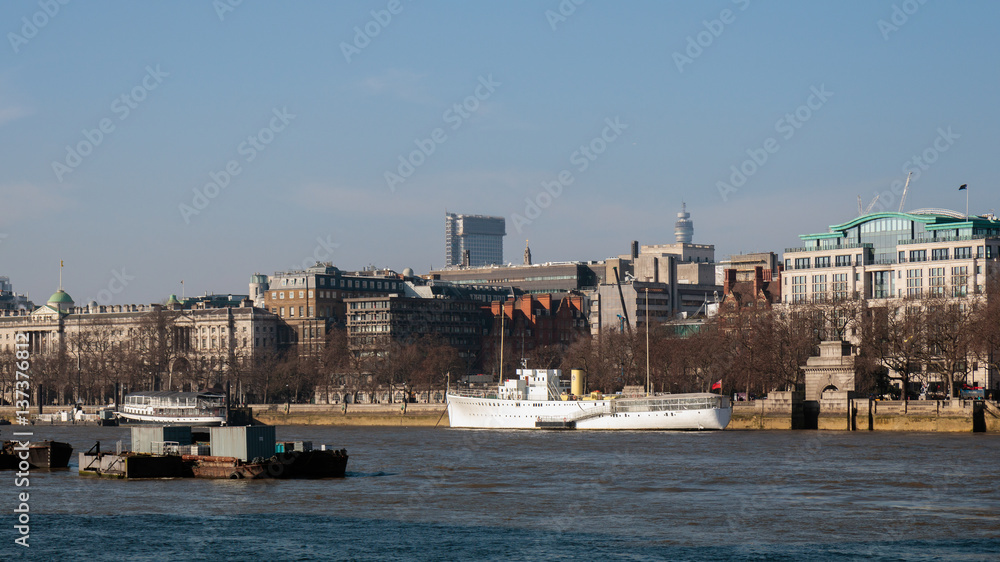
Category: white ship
[174,408]
[540,399]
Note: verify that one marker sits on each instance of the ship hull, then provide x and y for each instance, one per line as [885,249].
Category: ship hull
[200,421]
[492,413]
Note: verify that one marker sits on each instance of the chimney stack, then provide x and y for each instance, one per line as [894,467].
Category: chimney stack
[758,279]
[730,281]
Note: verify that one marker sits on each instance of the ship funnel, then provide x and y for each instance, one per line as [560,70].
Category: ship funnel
[576,382]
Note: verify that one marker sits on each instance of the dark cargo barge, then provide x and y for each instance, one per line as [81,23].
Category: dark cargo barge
[43,454]
[231,453]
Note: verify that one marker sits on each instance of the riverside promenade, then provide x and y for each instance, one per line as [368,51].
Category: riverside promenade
[780,411]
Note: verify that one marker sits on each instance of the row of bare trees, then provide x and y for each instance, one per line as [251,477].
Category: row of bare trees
[752,349]
[756,349]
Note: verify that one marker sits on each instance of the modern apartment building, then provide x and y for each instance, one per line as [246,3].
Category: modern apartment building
[473,240]
[894,255]
[891,258]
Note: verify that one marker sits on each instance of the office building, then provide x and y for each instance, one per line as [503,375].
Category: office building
[473,240]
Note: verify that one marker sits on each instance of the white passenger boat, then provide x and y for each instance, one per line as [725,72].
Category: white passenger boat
[540,399]
[174,408]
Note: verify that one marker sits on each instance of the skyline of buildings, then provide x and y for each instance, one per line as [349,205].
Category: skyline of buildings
[876,257]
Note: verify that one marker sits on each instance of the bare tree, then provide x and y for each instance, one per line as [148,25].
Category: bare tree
[949,338]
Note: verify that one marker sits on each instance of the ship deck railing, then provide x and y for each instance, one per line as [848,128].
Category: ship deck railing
[474,393]
[665,403]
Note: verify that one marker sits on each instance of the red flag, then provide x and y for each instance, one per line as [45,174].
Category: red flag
[717,385]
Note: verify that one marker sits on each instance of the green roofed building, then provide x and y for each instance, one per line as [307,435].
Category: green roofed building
[927,252]
[891,261]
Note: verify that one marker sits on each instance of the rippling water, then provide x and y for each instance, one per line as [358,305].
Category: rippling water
[502,495]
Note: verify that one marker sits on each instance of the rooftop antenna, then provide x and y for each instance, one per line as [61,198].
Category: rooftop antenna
[60,274]
[906,187]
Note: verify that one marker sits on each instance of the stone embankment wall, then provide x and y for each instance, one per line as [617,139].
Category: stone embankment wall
[837,411]
[780,410]
[415,415]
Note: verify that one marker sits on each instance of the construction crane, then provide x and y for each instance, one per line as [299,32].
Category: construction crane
[906,188]
[867,210]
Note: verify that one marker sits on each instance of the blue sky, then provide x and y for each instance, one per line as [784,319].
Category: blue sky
[201,90]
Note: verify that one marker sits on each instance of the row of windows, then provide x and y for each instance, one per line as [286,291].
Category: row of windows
[913,256]
[345,283]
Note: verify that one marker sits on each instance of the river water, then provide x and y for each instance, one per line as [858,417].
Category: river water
[443,494]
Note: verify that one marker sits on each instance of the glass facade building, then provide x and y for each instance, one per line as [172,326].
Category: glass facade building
[479,235]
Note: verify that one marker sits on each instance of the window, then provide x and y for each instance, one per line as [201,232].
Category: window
[918,255]
[960,281]
[843,261]
[302,294]
[282,313]
[281,295]
[802,263]
[935,281]
[819,288]
[300,311]
[989,252]
[310,294]
[939,254]
[823,261]
[274,294]
[914,282]
[840,286]
[963,253]
[980,252]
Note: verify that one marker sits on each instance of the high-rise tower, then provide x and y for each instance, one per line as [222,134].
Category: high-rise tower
[684,227]
[481,236]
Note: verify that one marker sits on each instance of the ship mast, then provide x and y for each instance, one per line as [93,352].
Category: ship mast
[503,312]
[647,341]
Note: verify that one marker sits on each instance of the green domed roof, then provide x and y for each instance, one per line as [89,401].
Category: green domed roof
[173,300]
[60,297]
